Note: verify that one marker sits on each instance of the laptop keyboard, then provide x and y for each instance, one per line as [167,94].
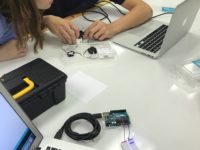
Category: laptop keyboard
[52,148]
[153,41]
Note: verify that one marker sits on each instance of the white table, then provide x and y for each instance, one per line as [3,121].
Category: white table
[163,115]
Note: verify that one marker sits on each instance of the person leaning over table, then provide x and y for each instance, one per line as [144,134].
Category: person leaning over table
[19,21]
[67,32]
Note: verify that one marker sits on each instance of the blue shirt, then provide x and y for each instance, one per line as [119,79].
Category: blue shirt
[64,8]
[6,31]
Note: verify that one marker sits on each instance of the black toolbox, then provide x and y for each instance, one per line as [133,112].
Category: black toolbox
[36,86]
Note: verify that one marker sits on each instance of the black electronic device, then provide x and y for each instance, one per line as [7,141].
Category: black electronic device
[92,50]
[81,34]
[70,53]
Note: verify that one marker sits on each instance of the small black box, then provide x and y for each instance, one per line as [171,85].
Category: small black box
[48,90]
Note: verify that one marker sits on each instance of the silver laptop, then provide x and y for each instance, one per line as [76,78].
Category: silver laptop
[154,38]
[18,133]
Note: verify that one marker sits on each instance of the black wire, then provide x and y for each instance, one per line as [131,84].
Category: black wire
[76,136]
[161,14]
[105,14]
[113,6]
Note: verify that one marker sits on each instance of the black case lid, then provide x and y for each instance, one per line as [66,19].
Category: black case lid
[39,71]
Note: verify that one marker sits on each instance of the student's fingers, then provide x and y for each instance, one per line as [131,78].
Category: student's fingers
[94,31]
[67,38]
[103,37]
[99,33]
[75,29]
[97,30]
[63,35]
[88,30]
[62,32]
[70,34]
[58,32]
[60,37]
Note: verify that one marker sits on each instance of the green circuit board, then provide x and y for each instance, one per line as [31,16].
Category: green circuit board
[116,118]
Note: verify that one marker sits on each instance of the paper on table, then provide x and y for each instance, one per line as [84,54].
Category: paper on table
[84,87]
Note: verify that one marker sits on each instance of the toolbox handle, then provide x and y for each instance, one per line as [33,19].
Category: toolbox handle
[30,86]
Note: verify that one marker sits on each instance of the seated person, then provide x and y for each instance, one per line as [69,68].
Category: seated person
[67,32]
[20,20]
[8,42]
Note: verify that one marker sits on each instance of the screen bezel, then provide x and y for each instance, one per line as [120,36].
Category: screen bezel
[23,116]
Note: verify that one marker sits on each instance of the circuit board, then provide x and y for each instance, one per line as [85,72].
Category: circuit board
[116,118]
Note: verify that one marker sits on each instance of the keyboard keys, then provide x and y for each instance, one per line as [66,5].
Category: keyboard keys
[153,41]
[52,148]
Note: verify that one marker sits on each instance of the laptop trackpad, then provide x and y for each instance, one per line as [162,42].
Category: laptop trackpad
[126,39]
[140,32]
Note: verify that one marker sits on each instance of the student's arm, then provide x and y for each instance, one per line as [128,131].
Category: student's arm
[10,51]
[62,28]
[139,12]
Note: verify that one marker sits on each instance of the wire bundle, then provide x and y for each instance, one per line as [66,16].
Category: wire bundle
[76,136]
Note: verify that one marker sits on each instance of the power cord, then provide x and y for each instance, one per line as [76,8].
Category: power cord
[77,136]
[112,119]
[102,1]
[102,12]
[105,14]
[161,14]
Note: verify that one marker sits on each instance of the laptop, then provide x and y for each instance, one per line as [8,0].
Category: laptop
[17,132]
[154,38]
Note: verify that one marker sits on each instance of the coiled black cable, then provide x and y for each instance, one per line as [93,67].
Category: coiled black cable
[76,136]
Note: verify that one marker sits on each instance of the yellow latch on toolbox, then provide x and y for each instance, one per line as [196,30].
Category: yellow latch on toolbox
[30,86]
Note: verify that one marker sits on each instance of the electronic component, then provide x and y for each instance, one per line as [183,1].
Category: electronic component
[104,49]
[116,118]
[70,53]
[81,34]
[129,145]
[92,50]
[112,118]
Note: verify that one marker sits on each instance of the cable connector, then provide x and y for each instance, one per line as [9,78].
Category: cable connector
[98,116]
[81,34]
[59,134]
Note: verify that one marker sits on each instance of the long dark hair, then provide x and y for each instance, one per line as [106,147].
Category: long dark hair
[26,20]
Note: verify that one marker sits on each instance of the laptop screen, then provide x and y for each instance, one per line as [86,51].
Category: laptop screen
[14,133]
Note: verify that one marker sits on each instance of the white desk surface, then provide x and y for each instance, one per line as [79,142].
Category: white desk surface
[163,115]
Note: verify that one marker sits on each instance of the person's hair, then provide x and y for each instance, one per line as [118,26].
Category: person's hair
[26,20]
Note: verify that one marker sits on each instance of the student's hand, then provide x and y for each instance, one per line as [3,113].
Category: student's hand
[10,51]
[99,31]
[62,28]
